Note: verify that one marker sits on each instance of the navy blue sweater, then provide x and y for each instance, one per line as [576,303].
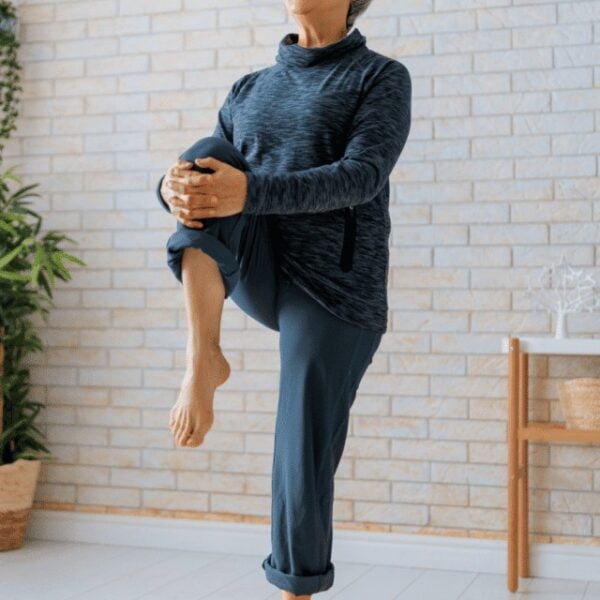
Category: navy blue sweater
[322,130]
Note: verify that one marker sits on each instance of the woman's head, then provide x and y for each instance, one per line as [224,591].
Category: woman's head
[351,9]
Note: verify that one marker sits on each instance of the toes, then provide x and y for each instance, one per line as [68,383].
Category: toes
[184,434]
[195,440]
[179,426]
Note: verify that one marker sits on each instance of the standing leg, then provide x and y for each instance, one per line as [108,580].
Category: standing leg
[323,359]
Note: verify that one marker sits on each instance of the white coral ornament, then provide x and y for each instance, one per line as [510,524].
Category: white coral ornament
[563,289]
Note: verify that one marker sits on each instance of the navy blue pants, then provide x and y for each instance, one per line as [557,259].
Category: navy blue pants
[322,359]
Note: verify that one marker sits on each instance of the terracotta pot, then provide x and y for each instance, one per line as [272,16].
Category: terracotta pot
[17,489]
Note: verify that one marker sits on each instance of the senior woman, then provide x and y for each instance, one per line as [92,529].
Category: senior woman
[285,209]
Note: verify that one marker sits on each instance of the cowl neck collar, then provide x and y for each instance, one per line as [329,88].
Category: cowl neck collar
[291,54]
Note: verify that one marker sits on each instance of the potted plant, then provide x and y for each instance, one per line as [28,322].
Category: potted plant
[30,264]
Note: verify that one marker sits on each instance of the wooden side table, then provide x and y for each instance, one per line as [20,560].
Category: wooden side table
[520,431]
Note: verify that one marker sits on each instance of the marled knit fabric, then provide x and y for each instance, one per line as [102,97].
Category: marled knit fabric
[322,130]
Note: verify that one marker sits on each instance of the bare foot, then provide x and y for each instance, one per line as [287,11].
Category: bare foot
[192,415]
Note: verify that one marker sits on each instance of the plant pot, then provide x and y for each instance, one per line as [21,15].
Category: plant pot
[580,402]
[17,489]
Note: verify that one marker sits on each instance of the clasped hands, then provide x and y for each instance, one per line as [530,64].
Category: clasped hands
[192,195]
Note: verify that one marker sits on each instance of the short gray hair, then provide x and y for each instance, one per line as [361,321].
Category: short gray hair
[356,8]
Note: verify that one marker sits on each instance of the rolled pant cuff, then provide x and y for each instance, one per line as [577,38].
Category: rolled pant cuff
[226,261]
[299,584]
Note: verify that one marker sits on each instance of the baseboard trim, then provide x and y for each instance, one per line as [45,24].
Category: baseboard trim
[395,549]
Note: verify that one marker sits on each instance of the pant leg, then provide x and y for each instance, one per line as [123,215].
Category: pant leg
[242,245]
[323,359]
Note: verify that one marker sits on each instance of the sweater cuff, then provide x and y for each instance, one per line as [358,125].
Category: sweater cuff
[254,193]
[162,201]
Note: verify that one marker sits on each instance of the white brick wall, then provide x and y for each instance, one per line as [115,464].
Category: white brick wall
[500,175]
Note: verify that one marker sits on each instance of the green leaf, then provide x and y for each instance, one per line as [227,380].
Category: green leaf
[37,264]
[13,276]
[49,270]
[66,256]
[7,258]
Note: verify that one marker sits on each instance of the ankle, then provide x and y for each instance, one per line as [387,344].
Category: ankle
[198,350]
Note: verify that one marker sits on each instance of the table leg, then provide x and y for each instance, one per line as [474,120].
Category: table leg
[523,510]
[512,444]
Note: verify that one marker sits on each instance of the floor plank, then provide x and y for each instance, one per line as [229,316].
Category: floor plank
[79,571]
[141,579]
[205,581]
[431,583]
[380,582]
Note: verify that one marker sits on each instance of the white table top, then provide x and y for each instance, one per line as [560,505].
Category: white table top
[551,345]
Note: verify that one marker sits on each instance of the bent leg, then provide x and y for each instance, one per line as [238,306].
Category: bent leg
[241,245]
[323,359]
[192,416]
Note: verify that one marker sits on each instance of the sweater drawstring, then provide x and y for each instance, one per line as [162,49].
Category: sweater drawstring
[349,237]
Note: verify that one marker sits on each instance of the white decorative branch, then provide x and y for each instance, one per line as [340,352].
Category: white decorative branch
[563,289]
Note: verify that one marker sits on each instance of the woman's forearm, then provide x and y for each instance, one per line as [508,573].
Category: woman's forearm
[374,142]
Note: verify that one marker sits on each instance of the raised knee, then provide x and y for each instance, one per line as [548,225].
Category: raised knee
[217,147]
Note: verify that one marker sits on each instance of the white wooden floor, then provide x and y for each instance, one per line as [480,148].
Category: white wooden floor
[63,570]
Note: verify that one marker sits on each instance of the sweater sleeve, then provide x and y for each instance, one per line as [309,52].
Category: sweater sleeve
[223,129]
[224,126]
[376,138]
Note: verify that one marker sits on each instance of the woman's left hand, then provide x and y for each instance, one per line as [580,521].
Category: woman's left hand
[227,184]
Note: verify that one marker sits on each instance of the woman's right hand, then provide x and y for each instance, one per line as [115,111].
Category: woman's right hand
[180,192]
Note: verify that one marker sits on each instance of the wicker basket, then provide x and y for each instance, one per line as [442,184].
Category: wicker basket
[580,402]
[17,488]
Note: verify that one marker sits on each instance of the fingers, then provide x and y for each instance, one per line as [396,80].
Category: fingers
[182,209]
[187,209]
[187,221]
[180,179]
[191,223]
[181,164]
[209,162]
[178,169]
[189,194]
[193,201]
[200,182]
